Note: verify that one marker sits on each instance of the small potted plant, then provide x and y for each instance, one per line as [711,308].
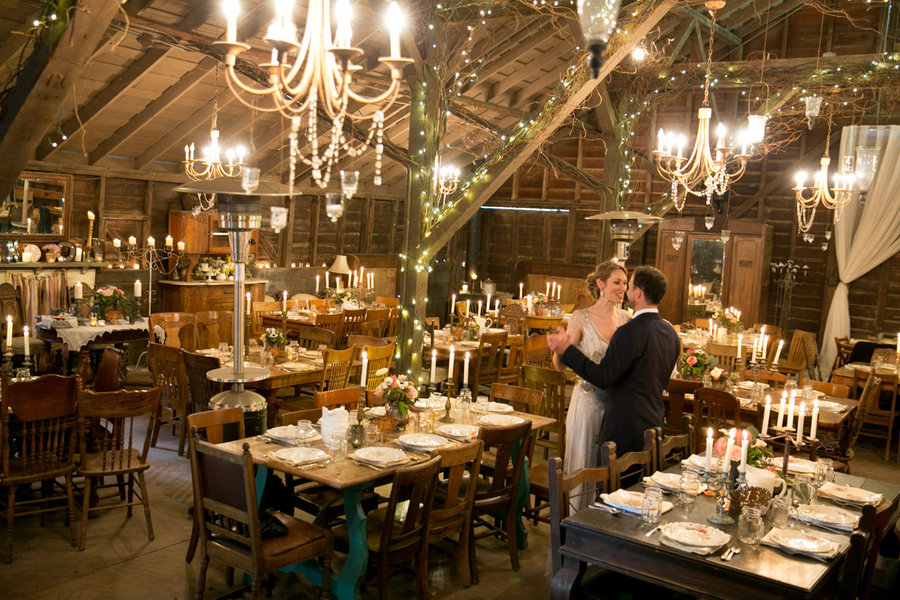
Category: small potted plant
[399,395]
[274,341]
[111,302]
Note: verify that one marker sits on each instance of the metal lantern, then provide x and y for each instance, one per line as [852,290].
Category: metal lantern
[624,227]
[598,21]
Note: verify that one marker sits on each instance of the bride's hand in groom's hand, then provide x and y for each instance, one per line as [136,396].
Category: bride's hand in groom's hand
[558,341]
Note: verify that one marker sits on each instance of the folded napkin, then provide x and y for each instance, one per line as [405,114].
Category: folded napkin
[701,550]
[334,424]
[630,501]
[770,539]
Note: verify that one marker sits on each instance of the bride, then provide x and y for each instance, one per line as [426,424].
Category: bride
[590,330]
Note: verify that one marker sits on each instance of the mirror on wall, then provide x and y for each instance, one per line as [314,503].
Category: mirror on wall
[37,206]
[708,265]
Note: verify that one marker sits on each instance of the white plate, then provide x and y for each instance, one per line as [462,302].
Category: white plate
[31,253]
[425,441]
[695,534]
[852,495]
[492,407]
[802,541]
[423,403]
[297,366]
[795,465]
[300,456]
[829,515]
[381,455]
[698,461]
[630,501]
[496,420]
[290,432]
[459,431]
[669,481]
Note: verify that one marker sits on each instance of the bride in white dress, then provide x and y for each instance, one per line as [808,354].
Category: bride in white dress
[590,330]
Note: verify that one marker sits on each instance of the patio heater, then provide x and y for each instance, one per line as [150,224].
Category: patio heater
[624,228]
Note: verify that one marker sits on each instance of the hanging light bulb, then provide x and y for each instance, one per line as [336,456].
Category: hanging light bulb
[677,240]
[598,21]
[756,128]
[334,207]
[813,106]
[709,221]
[725,235]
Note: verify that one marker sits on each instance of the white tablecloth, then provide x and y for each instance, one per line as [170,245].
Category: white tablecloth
[77,337]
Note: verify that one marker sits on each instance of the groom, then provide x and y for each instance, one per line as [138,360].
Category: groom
[636,367]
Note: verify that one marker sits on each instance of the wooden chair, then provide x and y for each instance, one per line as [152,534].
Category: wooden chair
[844,450]
[214,327]
[220,425]
[368,340]
[179,329]
[393,323]
[537,352]
[167,362]
[336,368]
[701,324]
[811,352]
[887,356]
[635,464]
[552,385]
[716,408]
[725,355]
[542,324]
[514,318]
[497,494]
[201,387]
[837,390]
[514,354]
[370,328]
[332,322]
[256,311]
[882,408]
[381,316]
[452,514]
[865,544]
[111,371]
[311,337]
[121,453]
[773,378]
[379,358]
[672,449]
[844,349]
[389,301]
[347,397]
[306,414]
[353,318]
[40,416]
[488,360]
[393,540]
[795,361]
[228,514]
[675,391]
[317,304]
[560,489]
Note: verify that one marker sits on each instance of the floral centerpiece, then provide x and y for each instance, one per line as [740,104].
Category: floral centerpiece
[694,363]
[399,395]
[343,296]
[208,267]
[273,338]
[51,252]
[538,301]
[730,319]
[111,302]
[757,454]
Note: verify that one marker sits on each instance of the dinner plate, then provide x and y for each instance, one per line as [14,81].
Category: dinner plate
[375,411]
[300,456]
[492,407]
[459,431]
[631,501]
[668,481]
[496,420]
[828,515]
[290,432]
[423,403]
[850,495]
[297,366]
[31,253]
[698,461]
[422,441]
[695,534]
[795,465]
[381,455]
[801,540]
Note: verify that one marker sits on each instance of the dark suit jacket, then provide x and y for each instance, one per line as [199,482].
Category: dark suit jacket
[634,372]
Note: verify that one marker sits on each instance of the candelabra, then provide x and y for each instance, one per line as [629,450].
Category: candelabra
[448,392]
[153,257]
[6,370]
[786,276]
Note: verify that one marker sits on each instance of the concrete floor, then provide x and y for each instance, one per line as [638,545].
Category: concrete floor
[120,562]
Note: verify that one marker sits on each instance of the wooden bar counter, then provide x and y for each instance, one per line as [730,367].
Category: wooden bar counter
[195,296]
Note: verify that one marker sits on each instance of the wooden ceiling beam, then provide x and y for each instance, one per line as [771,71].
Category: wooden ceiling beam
[471,197]
[163,102]
[707,22]
[44,85]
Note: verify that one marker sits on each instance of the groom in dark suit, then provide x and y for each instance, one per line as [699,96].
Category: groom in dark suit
[636,367]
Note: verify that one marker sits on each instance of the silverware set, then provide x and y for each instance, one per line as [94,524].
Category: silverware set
[729,554]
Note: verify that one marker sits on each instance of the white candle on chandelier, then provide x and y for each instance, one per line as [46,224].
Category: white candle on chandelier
[362,275]
[343,32]
[395,22]
[452,305]
[661,141]
[720,132]
[132,241]
[231,9]
[522,295]
[778,353]
[181,246]
[681,142]
[151,242]
[169,241]
[117,243]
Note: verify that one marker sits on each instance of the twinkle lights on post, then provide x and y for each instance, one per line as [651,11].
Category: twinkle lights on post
[315,74]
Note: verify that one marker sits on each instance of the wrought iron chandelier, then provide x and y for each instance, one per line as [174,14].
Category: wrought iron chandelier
[210,166]
[314,75]
[706,172]
[808,199]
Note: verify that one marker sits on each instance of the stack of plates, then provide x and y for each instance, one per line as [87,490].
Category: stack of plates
[630,501]
[495,420]
[670,482]
[492,407]
[795,465]
[463,433]
[697,538]
[800,541]
[829,517]
[299,456]
[380,456]
[853,496]
[292,435]
[422,441]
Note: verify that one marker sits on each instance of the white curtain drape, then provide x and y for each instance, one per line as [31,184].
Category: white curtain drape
[864,237]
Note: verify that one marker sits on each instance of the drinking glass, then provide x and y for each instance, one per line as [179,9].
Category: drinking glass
[750,525]
[224,350]
[803,491]
[780,511]
[337,447]
[824,471]
[651,506]
[373,436]
[690,484]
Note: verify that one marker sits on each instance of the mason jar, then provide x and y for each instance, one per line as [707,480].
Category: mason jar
[750,525]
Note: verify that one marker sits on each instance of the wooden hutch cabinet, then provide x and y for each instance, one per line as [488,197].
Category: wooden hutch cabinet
[200,233]
[734,272]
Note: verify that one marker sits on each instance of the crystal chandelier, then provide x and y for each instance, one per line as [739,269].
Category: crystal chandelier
[315,74]
[211,165]
[704,173]
[808,199]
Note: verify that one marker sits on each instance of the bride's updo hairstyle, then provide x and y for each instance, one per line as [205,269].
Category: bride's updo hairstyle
[603,271]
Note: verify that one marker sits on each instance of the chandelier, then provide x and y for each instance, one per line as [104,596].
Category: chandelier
[211,165]
[598,21]
[704,173]
[808,199]
[315,75]
[446,178]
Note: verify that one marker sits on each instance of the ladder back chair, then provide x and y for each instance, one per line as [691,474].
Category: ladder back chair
[672,449]
[795,361]
[379,357]
[552,384]
[381,315]
[389,301]
[393,322]
[675,400]
[811,352]
[111,371]
[311,337]
[716,408]
[514,319]
[214,327]
[882,406]
[353,319]
[256,311]
[347,397]
[488,360]
[167,362]
[336,366]
[179,329]
[843,450]
[201,387]
[537,352]
[725,355]
[843,350]
[368,340]
[40,416]
[838,390]
[332,322]
[631,466]
[120,453]
[773,378]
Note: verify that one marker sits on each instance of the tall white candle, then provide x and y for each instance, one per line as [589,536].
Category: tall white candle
[248,303]
[800,422]
[479,308]
[132,241]
[433,364]
[487,304]
[151,242]
[467,308]
[548,290]
[709,449]
[137,288]
[466,370]
[169,241]
[317,284]
[117,243]
[781,410]
[765,427]
[78,253]
[521,295]
[78,291]
[815,420]
[9,331]
[726,464]
[740,345]
[365,368]
[745,446]
[778,353]
[790,415]
[27,347]
[231,9]
[496,305]
[898,343]
[452,305]
[180,246]
[284,301]
[28,225]
[326,280]
[450,362]
[395,19]
[553,291]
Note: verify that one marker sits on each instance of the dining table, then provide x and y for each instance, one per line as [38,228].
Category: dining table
[80,338]
[352,478]
[620,543]
[845,374]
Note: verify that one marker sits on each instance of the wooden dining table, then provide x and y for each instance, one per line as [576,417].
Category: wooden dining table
[619,543]
[352,478]
[844,375]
